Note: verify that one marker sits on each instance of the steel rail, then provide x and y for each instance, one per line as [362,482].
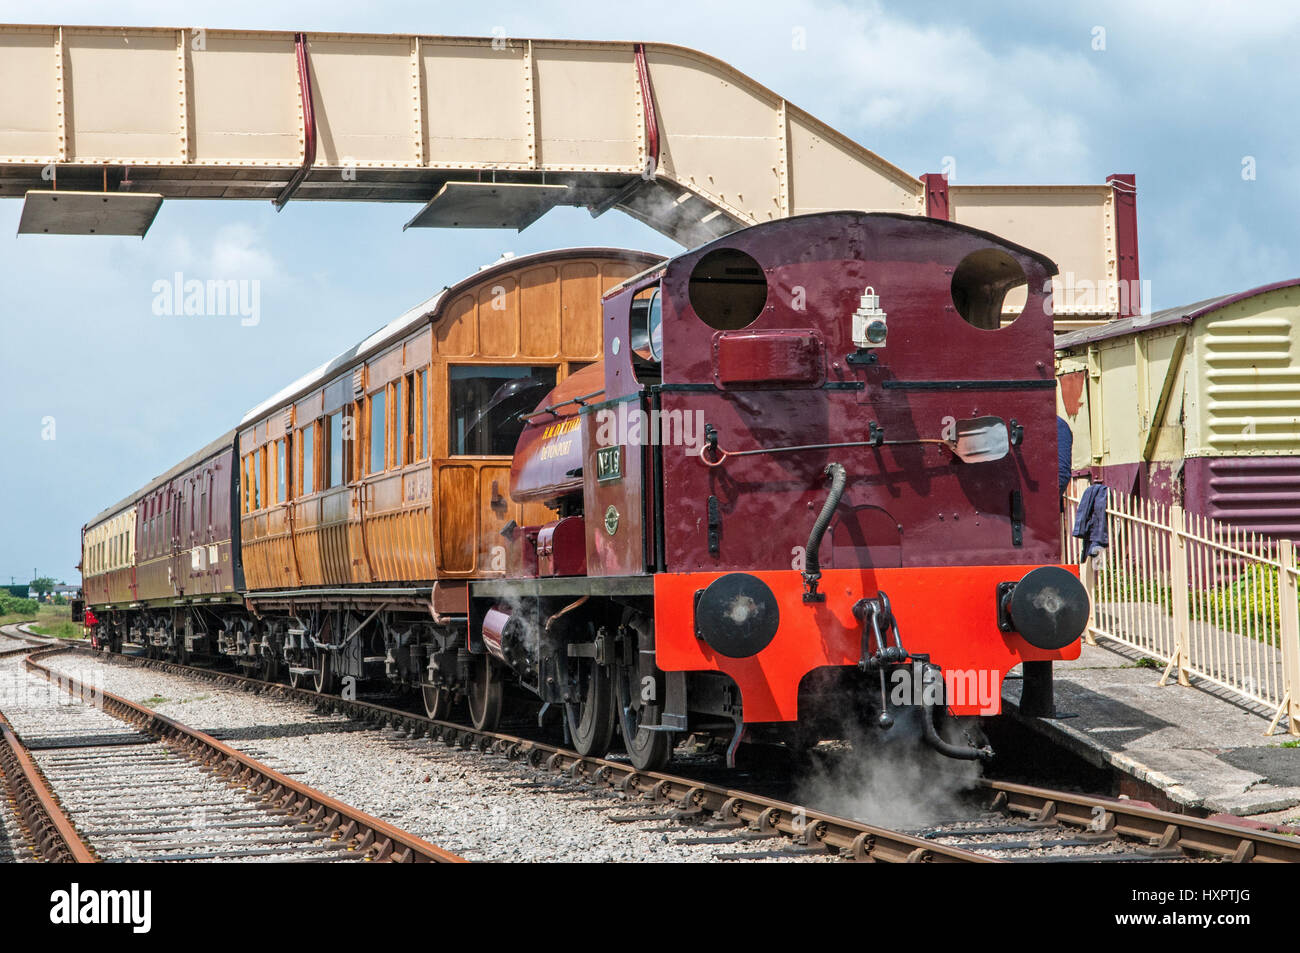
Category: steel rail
[1163,830]
[808,828]
[47,825]
[382,841]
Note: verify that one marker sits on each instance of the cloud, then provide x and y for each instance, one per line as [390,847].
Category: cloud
[238,251]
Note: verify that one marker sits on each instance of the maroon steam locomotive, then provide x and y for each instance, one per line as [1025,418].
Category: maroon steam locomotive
[807,476]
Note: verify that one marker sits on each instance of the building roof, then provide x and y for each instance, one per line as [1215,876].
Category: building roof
[1183,314]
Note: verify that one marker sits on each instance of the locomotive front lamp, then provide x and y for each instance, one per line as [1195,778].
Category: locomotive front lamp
[869,328]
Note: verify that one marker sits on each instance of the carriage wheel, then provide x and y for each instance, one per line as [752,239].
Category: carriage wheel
[486,694]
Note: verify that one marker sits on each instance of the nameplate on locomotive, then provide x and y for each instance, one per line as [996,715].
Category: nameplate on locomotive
[609,464]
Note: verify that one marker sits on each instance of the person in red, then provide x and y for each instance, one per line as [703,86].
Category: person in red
[89,621]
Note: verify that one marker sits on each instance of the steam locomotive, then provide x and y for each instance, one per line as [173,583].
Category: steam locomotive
[801,475]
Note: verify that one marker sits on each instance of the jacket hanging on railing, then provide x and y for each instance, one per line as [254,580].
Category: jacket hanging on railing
[1090,520]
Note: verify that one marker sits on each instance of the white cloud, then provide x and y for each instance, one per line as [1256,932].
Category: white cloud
[238,252]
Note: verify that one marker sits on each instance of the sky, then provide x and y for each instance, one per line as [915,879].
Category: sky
[1183,94]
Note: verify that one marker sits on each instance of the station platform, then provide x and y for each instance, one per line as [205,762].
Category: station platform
[1200,747]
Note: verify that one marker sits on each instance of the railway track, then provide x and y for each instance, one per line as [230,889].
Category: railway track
[1016,822]
[103,778]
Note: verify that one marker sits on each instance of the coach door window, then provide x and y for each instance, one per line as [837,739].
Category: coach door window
[334,450]
[307,465]
[406,446]
[486,402]
[378,431]
[422,385]
[283,483]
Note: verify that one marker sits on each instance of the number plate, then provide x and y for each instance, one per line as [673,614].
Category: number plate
[609,464]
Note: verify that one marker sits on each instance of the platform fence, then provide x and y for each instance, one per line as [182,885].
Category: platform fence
[1215,605]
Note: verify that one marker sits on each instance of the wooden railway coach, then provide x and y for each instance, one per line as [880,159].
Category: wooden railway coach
[373,488]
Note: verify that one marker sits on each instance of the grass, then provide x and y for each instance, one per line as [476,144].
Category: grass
[153,701]
[49,620]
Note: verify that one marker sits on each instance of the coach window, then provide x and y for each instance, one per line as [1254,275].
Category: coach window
[486,403]
[307,461]
[334,451]
[204,518]
[378,431]
[397,423]
[270,473]
[281,474]
[422,385]
[409,415]
[354,447]
[259,464]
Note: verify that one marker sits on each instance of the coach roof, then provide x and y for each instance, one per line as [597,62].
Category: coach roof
[223,442]
[429,309]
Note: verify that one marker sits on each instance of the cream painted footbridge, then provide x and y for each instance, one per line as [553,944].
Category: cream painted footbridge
[99,124]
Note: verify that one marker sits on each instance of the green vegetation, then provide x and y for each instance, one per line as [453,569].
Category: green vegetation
[1147,662]
[1248,605]
[51,620]
[13,609]
[153,701]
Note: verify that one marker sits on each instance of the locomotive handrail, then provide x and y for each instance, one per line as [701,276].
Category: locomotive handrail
[580,400]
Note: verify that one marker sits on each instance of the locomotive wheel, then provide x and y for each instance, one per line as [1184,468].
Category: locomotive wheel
[486,694]
[591,721]
[437,701]
[268,667]
[326,681]
[648,750]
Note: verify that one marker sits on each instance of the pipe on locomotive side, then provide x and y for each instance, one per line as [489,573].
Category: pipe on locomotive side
[812,559]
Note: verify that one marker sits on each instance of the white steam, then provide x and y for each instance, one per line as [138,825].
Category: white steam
[889,778]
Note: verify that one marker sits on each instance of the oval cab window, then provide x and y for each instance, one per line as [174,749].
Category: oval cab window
[980,286]
[728,289]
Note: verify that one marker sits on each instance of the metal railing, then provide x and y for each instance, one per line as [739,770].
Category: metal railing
[1210,601]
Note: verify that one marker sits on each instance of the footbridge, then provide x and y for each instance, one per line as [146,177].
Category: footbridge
[99,125]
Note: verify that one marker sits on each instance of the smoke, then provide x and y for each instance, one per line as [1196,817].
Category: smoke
[889,778]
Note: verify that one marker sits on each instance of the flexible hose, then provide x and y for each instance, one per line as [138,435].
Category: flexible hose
[812,562]
[947,748]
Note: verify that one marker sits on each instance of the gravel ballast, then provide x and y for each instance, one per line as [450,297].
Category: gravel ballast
[482,807]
